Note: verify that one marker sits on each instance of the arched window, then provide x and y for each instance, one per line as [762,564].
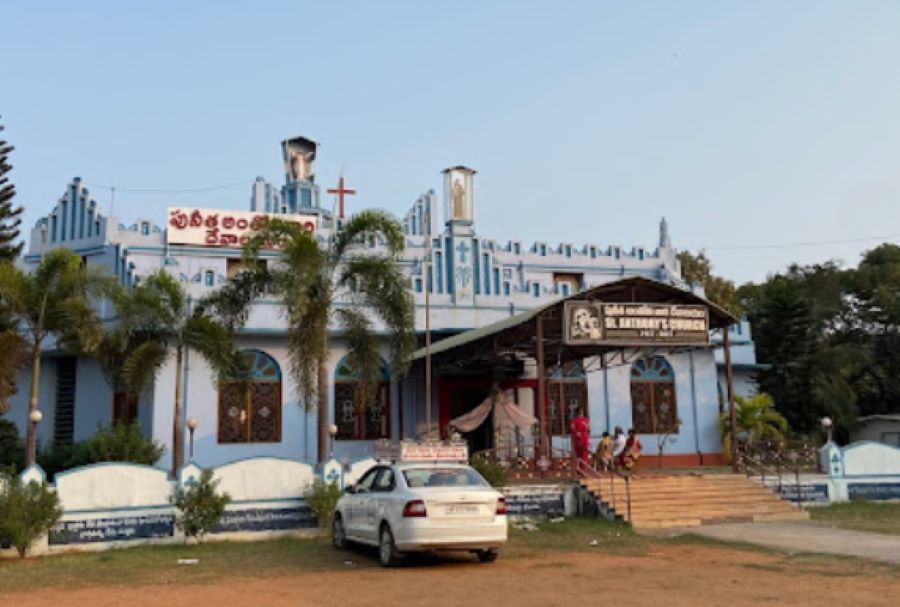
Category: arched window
[566,397]
[252,414]
[370,422]
[653,406]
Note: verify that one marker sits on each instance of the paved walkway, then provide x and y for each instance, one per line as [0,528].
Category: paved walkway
[807,537]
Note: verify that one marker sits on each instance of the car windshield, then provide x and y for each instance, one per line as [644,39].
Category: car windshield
[443,477]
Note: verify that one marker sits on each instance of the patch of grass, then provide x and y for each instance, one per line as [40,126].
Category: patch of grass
[765,567]
[861,515]
[692,539]
[158,564]
[797,563]
[575,535]
[220,560]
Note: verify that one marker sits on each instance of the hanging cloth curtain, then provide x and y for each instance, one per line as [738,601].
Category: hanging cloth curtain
[506,412]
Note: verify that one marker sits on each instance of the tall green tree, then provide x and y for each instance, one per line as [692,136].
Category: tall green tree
[10,214]
[800,324]
[786,337]
[12,346]
[873,293]
[57,299]
[13,357]
[697,269]
[345,282]
[160,307]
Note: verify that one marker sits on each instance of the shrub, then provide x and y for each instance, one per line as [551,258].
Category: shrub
[26,512]
[757,417]
[119,443]
[322,499]
[200,506]
[12,448]
[57,458]
[492,472]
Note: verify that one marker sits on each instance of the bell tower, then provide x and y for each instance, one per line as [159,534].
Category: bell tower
[300,193]
[459,199]
[459,209]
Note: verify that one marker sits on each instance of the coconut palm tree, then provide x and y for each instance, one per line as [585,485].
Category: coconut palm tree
[121,338]
[162,311]
[757,417]
[56,299]
[347,282]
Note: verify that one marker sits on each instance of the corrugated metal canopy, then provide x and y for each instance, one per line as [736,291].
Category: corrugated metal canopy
[516,335]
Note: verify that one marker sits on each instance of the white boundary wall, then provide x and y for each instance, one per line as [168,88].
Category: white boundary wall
[114,504]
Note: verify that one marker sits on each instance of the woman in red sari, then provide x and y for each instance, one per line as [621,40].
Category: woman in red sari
[580,429]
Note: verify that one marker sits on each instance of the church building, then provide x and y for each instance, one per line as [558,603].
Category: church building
[470,280]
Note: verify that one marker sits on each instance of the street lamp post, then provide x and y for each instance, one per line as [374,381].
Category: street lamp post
[34,418]
[192,425]
[332,432]
[827,424]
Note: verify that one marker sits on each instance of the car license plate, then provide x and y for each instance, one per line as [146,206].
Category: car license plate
[460,510]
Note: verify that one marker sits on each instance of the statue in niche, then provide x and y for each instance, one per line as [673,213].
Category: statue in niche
[458,196]
[301,167]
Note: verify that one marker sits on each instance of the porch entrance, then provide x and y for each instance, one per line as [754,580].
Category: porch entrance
[464,400]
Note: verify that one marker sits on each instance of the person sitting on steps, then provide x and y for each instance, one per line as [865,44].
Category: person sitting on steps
[632,451]
[603,456]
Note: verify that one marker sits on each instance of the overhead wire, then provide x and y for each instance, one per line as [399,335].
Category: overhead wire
[211,188]
[791,245]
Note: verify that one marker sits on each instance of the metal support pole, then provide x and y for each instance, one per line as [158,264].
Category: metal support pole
[400,408]
[729,381]
[429,281]
[542,387]
[628,495]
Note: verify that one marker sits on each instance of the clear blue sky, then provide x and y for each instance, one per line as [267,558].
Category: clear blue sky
[744,123]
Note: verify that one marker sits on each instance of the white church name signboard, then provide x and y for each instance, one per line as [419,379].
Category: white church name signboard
[406,451]
[594,323]
[222,228]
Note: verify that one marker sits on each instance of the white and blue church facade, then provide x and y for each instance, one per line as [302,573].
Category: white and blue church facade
[471,281]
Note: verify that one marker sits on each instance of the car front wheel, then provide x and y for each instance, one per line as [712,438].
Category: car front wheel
[338,534]
[387,551]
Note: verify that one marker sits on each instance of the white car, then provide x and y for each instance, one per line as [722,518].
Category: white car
[416,507]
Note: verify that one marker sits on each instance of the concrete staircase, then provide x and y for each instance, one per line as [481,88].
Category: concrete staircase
[690,500]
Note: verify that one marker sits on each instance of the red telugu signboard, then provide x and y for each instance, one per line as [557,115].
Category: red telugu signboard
[222,228]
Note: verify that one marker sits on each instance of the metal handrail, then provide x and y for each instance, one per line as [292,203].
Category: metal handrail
[580,468]
[751,459]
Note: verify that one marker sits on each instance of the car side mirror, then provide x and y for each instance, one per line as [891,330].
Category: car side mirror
[350,489]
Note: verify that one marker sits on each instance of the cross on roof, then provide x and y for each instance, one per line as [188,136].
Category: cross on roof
[340,190]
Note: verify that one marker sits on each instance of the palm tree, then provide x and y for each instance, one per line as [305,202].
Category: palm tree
[119,340]
[348,282]
[757,417]
[160,308]
[54,300]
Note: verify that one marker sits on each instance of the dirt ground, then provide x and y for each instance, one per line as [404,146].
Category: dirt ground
[668,575]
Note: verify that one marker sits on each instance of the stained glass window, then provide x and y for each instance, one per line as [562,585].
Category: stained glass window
[367,422]
[654,408]
[252,413]
[566,397]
